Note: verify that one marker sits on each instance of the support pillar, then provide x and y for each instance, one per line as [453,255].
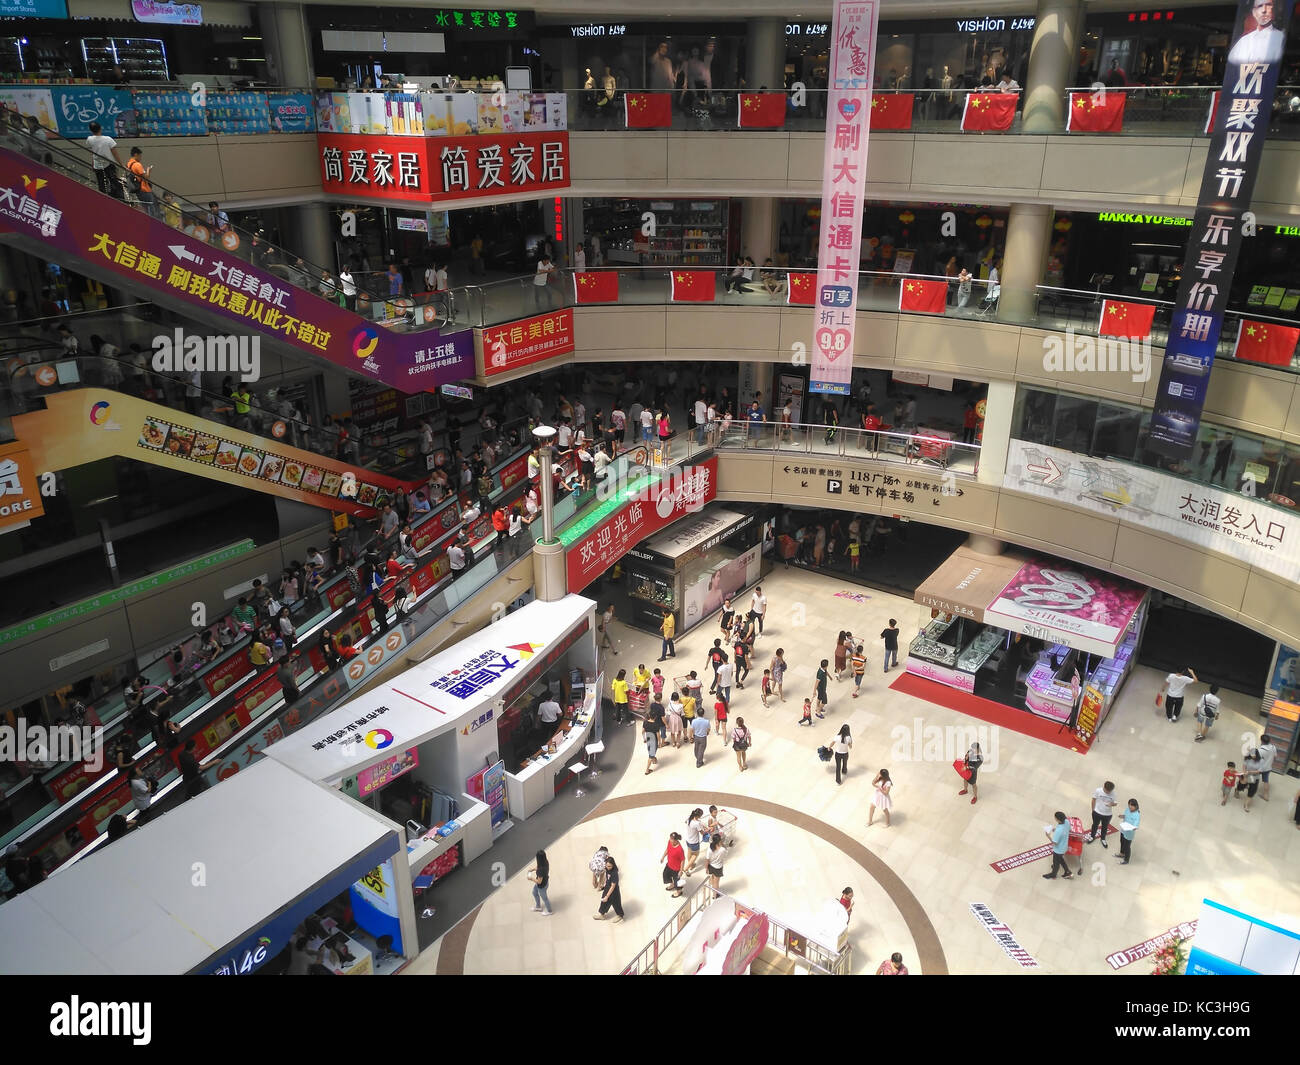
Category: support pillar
[995,440]
[550,579]
[1029,233]
[288,45]
[765,54]
[759,228]
[316,236]
[1052,60]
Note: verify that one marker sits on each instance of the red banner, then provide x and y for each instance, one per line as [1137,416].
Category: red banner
[220,678]
[514,473]
[1096,112]
[648,110]
[337,594]
[891,110]
[923,297]
[762,110]
[1266,342]
[694,286]
[428,575]
[598,286]
[989,111]
[1121,319]
[802,289]
[515,344]
[365,166]
[687,490]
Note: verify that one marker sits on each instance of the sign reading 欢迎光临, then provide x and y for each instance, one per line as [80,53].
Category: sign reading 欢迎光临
[844,176]
[1219,226]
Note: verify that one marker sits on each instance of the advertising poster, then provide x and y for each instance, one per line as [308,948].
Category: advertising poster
[1236,147]
[790,389]
[489,787]
[20,492]
[374,904]
[384,773]
[844,170]
[168,114]
[514,344]
[237,112]
[291,112]
[77,106]
[38,103]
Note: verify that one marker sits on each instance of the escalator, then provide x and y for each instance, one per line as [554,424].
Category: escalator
[51,209]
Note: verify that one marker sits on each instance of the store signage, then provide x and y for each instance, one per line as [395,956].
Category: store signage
[945,675]
[1003,935]
[747,946]
[412,225]
[34,8]
[1142,219]
[457,391]
[529,340]
[994,25]
[480,20]
[596,29]
[844,170]
[806,29]
[291,112]
[20,493]
[1227,186]
[167,12]
[383,773]
[1148,947]
[655,507]
[155,258]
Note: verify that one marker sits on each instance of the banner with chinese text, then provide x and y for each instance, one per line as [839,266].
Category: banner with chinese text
[511,345]
[844,176]
[1227,186]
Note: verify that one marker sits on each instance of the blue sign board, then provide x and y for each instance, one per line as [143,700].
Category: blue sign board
[77,106]
[292,112]
[34,8]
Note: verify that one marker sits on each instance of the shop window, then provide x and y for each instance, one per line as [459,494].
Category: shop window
[1117,431]
[1035,413]
[1075,419]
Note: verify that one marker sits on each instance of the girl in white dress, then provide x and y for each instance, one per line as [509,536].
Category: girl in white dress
[880,800]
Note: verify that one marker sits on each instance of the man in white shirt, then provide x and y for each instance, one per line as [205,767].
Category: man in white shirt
[724,682]
[1263,44]
[564,435]
[541,283]
[456,557]
[349,287]
[1175,684]
[758,606]
[580,259]
[103,149]
[1267,755]
[471,514]
[1103,806]
[1008,83]
[647,424]
[701,419]
[548,713]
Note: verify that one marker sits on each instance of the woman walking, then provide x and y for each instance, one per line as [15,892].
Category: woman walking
[740,741]
[540,875]
[973,760]
[694,830]
[673,719]
[881,800]
[597,867]
[653,723]
[841,655]
[611,896]
[665,432]
[819,692]
[716,854]
[841,745]
[777,666]
[673,857]
[621,710]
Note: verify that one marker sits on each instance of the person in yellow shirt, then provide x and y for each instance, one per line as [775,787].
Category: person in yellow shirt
[688,709]
[622,713]
[668,629]
[641,678]
[259,654]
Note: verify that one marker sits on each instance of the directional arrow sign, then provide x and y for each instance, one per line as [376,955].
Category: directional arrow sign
[182,252]
[803,484]
[787,469]
[1051,471]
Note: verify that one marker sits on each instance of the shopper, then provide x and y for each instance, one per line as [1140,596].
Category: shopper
[1175,684]
[840,746]
[881,800]
[668,629]
[858,662]
[1207,710]
[694,832]
[1103,807]
[192,770]
[846,900]
[673,721]
[141,187]
[1059,835]
[673,858]
[103,151]
[540,875]
[1132,818]
[142,792]
[622,712]
[778,666]
[765,689]
[890,636]
[700,733]
[285,673]
[1268,755]
[727,619]
[819,690]
[892,967]
[653,723]
[717,852]
[611,897]
[973,760]
[741,648]
[1228,784]
[720,718]
[606,624]
[807,717]
[1250,774]
[741,740]
[597,867]
[758,607]
[665,436]
[841,655]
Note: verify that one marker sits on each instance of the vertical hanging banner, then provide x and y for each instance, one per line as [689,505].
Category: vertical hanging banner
[1219,226]
[844,176]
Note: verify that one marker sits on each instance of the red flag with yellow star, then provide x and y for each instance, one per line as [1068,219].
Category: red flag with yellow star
[762,110]
[891,110]
[694,286]
[1120,319]
[802,289]
[923,297]
[648,110]
[595,286]
[1096,112]
[1266,342]
[985,111]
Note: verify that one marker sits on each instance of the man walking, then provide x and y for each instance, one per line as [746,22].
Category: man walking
[758,607]
[1103,806]
[668,630]
[1059,835]
[700,733]
[701,419]
[1175,684]
[890,636]
[716,657]
[1267,754]
[104,152]
[724,682]
[606,620]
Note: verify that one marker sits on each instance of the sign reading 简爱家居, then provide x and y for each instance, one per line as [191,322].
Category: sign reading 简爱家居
[1219,225]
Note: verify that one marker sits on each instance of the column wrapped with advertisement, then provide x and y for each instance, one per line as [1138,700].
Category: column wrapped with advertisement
[844,176]
[1218,227]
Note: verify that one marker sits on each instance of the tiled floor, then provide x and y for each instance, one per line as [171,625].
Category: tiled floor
[940,846]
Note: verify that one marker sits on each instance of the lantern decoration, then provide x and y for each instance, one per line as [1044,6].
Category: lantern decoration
[907,218]
[983,221]
[1063,225]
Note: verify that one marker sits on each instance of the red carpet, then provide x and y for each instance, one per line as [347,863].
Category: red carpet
[1007,717]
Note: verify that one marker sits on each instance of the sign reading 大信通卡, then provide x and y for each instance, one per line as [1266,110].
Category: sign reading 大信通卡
[1219,226]
[38,203]
[514,344]
[844,177]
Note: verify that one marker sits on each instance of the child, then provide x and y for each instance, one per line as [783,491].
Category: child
[720,716]
[853,551]
[1229,782]
[859,663]
[657,683]
[767,685]
[807,713]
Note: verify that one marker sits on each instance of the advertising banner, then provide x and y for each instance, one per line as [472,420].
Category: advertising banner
[38,103]
[384,773]
[489,787]
[237,112]
[1227,186]
[844,177]
[291,112]
[38,203]
[514,344]
[168,114]
[235,668]
[20,492]
[77,106]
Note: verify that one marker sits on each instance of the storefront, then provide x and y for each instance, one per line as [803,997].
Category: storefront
[950,54]
[691,567]
[1182,46]
[690,232]
[575,55]
[1035,633]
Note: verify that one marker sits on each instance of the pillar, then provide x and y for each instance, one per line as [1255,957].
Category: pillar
[550,579]
[759,228]
[287,43]
[315,241]
[985,545]
[1029,233]
[1052,60]
[995,440]
[753,377]
[765,54]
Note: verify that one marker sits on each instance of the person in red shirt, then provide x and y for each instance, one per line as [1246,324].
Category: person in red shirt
[673,857]
[870,423]
[846,900]
[1229,782]
[393,567]
[970,423]
[346,650]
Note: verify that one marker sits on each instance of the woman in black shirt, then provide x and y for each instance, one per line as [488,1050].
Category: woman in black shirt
[611,896]
[540,875]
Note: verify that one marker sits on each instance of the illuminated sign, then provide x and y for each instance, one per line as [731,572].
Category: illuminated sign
[993,25]
[1143,219]
[596,29]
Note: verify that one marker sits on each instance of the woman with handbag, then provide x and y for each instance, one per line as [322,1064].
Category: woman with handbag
[740,741]
[972,762]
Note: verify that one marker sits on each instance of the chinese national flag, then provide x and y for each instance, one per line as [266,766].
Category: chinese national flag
[924,297]
[762,110]
[694,286]
[1120,319]
[891,110]
[595,286]
[1214,106]
[1266,342]
[1099,112]
[802,289]
[989,111]
[648,110]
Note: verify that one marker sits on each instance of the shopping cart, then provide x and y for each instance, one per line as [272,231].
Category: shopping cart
[726,828]
[1109,489]
[1035,458]
[1075,846]
[929,449]
[637,703]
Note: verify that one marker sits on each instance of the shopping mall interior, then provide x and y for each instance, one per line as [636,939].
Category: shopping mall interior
[443,450]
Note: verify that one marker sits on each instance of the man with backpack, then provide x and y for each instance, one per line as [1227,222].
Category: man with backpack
[716,657]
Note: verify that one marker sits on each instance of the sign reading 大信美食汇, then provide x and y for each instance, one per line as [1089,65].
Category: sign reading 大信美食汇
[511,345]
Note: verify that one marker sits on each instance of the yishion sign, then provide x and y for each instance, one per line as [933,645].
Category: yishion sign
[1227,184]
